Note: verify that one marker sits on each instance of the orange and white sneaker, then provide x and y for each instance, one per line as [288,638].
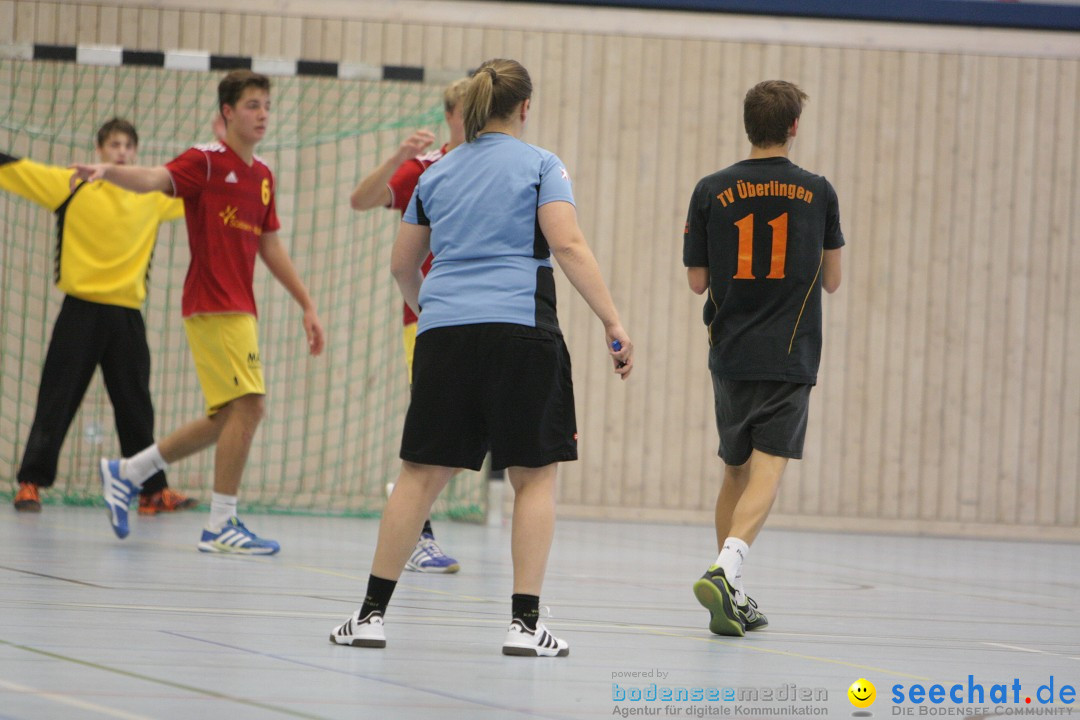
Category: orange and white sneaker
[26,499]
[165,500]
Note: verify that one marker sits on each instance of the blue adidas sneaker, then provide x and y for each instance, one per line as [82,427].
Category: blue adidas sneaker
[236,539]
[428,557]
[117,493]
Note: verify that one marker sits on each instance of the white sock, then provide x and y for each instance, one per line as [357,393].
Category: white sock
[731,558]
[143,465]
[222,509]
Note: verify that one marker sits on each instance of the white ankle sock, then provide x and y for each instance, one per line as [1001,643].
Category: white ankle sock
[731,558]
[143,465]
[222,509]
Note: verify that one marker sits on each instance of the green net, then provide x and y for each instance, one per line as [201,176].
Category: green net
[329,442]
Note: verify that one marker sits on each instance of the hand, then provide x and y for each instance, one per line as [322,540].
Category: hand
[316,338]
[623,358]
[415,144]
[89,173]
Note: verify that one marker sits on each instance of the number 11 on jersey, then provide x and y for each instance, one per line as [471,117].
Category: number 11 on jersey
[746,248]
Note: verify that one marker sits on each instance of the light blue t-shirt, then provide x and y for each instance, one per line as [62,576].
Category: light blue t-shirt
[492,263]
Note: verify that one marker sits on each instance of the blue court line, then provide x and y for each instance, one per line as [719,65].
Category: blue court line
[52,577]
[373,678]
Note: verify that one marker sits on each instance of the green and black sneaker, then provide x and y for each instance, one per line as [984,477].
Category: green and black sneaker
[752,618]
[716,594]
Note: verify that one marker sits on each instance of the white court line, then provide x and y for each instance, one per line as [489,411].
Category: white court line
[1021,649]
[81,704]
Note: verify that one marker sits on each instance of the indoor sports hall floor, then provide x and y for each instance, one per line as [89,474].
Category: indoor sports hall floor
[92,627]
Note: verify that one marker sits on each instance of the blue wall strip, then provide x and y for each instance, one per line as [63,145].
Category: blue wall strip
[1031,16]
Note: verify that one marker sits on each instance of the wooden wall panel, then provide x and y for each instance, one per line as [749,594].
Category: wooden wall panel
[1070,423]
[148,36]
[949,393]
[190,30]
[128,32]
[170,30]
[291,38]
[25,13]
[210,33]
[7,21]
[1060,443]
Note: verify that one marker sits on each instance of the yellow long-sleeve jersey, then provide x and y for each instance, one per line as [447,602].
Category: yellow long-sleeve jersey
[104,235]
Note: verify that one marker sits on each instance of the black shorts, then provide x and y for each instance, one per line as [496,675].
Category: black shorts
[766,415]
[491,386]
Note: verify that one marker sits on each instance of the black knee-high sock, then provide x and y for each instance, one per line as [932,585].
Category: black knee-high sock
[378,595]
[427,529]
[525,608]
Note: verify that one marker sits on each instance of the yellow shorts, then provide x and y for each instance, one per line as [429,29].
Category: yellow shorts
[408,340]
[226,353]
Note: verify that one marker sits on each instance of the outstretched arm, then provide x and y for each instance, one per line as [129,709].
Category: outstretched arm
[130,177]
[372,191]
[558,222]
[277,260]
[46,185]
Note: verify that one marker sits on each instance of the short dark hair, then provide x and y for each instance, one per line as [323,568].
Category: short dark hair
[117,125]
[769,111]
[233,85]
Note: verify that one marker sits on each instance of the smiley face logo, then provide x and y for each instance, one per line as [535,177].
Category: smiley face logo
[862,693]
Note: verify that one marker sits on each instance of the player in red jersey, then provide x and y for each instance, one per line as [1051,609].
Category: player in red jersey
[391,186]
[229,206]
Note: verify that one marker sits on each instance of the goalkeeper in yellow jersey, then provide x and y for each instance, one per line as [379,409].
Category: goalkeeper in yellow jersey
[104,241]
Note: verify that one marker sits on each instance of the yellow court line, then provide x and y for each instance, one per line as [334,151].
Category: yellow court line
[73,702]
[787,653]
[276,560]
[654,631]
[585,625]
[237,612]
[651,630]
[364,578]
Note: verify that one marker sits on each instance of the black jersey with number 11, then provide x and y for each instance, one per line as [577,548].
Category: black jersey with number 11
[761,227]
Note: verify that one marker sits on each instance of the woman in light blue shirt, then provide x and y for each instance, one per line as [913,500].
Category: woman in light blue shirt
[491,370]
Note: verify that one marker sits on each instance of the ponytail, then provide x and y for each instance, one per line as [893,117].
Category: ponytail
[477,108]
[493,92]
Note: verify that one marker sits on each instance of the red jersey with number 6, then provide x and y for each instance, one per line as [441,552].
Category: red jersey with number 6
[228,206]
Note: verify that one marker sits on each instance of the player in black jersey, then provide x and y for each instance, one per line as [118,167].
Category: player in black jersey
[762,239]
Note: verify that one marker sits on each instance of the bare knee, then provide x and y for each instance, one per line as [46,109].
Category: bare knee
[433,478]
[534,478]
[253,407]
[247,411]
[737,475]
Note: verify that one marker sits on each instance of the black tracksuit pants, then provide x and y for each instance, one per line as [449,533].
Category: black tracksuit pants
[88,334]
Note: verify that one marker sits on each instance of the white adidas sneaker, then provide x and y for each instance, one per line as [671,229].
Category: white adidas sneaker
[369,632]
[533,643]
